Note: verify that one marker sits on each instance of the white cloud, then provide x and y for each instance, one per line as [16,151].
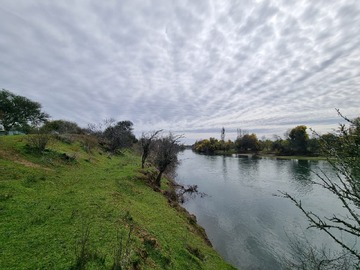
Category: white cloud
[185,65]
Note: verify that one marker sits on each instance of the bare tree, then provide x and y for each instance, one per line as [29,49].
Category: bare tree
[166,152]
[97,129]
[344,157]
[146,143]
[306,256]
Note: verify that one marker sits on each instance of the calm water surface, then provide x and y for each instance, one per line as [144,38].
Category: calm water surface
[247,224]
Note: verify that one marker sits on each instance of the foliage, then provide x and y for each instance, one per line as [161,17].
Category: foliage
[226,145]
[146,144]
[296,142]
[38,142]
[266,145]
[88,142]
[20,113]
[247,142]
[298,138]
[119,136]
[344,157]
[313,147]
[61,127]
[165,157]
[207,146]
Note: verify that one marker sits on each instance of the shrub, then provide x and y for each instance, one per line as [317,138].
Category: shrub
[38,142]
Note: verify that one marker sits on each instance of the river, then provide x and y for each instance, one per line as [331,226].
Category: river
[249,226]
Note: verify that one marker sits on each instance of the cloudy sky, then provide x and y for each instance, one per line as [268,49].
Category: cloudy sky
[187,66]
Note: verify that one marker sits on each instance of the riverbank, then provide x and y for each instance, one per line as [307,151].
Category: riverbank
[293,157]
[71,209]
[266,155]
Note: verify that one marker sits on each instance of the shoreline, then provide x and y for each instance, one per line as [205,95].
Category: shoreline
[263,155]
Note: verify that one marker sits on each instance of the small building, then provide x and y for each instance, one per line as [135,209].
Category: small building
[11,132]
[15,132]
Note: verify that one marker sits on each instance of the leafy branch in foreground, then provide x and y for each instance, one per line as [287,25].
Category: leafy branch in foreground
[344,158]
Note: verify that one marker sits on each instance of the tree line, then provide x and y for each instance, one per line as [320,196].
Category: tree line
[297,141]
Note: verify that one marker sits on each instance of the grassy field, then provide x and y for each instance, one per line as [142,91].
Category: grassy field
[69,209]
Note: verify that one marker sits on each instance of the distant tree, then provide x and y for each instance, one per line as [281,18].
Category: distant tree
[166,152]
[313,146]
[146,143]
[331,139]
[344,157]
[266,145]
[228,145]
[61,127]
[299,140]
[18,112]
[207,146]
[119,136]
[248,142]
[281,147]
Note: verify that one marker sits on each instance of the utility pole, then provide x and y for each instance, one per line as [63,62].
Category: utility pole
[223,134]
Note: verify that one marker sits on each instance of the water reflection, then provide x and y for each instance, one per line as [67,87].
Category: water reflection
[248,167]
[224,166]
[301,170]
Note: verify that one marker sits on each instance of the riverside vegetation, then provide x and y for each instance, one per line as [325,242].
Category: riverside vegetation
[297,144]
[70,208]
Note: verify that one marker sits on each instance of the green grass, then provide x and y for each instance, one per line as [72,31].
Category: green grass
[55,213]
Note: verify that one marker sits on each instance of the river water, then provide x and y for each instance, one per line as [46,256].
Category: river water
[249,226]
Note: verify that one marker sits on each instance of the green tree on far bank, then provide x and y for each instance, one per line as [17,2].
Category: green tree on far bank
[247,143]
[207,146]
[299,138]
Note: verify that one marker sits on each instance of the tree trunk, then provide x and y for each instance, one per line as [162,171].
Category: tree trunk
[158,179]
[143,162]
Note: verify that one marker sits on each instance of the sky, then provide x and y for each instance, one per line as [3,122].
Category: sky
[190,67]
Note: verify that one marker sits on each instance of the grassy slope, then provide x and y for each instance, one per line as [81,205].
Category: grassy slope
[48,204]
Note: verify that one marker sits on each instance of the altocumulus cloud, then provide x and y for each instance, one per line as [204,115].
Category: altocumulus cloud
[186,66]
